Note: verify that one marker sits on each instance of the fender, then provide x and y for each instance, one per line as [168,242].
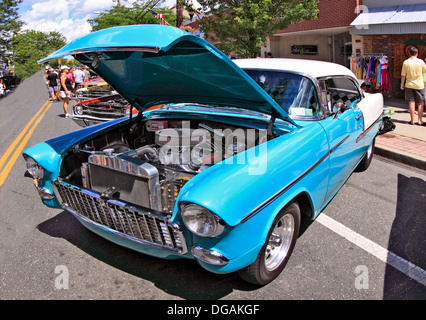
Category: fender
[263,179]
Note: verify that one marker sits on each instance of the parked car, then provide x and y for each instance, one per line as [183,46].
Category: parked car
[11,82]
[225,159]
[96,110]
[94,88]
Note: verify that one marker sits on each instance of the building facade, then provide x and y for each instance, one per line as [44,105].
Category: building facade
[363,35]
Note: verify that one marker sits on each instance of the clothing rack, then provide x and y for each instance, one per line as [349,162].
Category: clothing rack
[373,69]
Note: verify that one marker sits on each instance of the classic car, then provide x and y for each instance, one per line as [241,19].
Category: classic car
[94,88]
[96,110]
[225,159]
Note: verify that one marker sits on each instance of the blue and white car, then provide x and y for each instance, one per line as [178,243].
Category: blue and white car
[223,162]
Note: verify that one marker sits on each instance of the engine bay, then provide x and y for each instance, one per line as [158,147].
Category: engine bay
[147,162]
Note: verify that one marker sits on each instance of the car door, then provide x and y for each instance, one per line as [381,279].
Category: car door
[343,126]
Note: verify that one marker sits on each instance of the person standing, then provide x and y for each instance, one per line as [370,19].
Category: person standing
[52,84]
[412,82]
[66,88]
[78,77]
[2,88]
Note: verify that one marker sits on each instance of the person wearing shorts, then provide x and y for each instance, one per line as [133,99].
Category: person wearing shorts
[66,88]
[412,82]
[52,84]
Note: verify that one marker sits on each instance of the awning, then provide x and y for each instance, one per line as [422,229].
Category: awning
[391,20]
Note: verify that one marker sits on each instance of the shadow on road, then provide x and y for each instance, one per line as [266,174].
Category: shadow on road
[183,278]
[407,239]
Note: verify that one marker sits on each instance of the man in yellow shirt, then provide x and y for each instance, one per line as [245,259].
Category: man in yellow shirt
[412,82]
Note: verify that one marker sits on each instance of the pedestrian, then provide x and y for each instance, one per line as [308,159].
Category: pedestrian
[269,55]
[66,88]
[424,82]
[52,84]
[78,77]
[86,74]
[412,82]
[70,75]
[2,88]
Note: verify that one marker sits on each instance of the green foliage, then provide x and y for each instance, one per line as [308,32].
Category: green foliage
[242,26]
[9,25]
[30,46]
[122,16]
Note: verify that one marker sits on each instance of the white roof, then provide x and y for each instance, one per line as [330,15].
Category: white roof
[313,68]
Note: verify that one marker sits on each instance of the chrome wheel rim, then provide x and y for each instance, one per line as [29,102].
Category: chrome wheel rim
[279,242]
[370,150]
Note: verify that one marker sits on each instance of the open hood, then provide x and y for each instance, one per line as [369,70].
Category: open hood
[153,64]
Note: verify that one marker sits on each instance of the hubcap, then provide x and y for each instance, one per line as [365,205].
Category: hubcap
[370,150]
[279,242]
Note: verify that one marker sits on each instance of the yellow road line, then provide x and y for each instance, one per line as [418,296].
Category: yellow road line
[5,172]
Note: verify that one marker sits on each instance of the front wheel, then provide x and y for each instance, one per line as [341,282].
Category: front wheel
[277,249]
[366,161]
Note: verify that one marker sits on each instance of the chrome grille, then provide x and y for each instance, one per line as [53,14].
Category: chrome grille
[133,222]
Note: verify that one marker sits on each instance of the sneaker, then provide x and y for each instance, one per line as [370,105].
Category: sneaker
[68,115]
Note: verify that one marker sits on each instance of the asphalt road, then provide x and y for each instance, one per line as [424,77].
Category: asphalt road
[369,242]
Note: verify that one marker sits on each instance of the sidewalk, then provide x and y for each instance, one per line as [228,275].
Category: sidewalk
[407,143]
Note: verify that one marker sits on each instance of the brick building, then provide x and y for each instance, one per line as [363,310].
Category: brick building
[390,28]
[328,38]
[356,29]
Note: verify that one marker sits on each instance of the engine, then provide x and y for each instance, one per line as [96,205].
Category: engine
[148,163]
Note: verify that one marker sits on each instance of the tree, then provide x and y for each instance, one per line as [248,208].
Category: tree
[9,25]
[137,14]
[242,26]
[30,46]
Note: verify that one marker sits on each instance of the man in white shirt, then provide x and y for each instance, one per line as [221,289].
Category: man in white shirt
[78,77]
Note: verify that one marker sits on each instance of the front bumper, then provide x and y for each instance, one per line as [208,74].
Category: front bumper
[146,231]
[135,227]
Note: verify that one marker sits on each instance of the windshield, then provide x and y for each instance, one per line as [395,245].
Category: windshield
[294,93]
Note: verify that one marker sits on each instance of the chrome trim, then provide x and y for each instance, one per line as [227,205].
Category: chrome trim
[45,194]
[135,167]
[130,222]
[114,48]
[362,135]
[198,252]
[291,184]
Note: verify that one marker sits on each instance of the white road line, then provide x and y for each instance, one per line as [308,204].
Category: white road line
[405,266]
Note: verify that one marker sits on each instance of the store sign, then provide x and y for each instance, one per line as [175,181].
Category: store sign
[304,50]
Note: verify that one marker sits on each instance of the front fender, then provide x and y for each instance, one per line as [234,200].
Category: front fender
[264,174]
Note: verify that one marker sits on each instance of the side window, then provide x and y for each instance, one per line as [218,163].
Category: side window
[341,89]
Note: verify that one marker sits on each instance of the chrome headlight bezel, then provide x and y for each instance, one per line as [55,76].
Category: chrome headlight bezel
[78,110]
[34,168]
[201,221]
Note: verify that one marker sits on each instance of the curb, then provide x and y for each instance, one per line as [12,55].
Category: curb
[400,156]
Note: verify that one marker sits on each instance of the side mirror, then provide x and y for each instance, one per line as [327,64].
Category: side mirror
[338,108]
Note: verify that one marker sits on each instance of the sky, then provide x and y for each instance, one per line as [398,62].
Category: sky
[69,17]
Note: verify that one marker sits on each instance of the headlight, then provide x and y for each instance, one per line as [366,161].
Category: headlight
[78,110]
[34,168]
[201,221]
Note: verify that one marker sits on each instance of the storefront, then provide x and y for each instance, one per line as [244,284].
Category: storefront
[389,32]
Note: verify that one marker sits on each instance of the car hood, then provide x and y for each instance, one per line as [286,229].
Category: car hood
[152,64]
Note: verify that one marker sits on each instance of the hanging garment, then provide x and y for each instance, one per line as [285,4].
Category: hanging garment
[384,74]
